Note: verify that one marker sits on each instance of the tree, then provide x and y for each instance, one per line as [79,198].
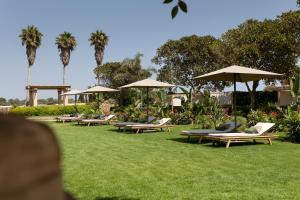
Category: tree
[99,40]
[3,101]
[66,43]
[116,74]
[260,45]
[191,56]
[31,37]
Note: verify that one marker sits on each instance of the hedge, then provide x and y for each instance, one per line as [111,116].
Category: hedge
[52,110]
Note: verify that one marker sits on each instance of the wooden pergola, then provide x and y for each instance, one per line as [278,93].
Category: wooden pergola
[33,89]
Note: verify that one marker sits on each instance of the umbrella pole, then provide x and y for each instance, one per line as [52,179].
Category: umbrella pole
[98,102]
[234,99]
[147,104]
[75,103]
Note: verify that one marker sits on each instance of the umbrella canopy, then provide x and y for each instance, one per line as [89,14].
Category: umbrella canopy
[148,83]
[244,74]
[237,74]
[99,89]
[72,92]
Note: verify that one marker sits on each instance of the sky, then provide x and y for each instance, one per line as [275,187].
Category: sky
[133,26]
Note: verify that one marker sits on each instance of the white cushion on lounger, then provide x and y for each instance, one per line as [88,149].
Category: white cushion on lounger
[264,127]
[161,122]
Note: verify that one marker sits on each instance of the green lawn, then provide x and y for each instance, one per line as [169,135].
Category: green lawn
[101,163]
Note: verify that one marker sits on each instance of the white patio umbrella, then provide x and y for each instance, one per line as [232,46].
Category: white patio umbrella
[74,92]
[237,74]
[148,83]
[99,89]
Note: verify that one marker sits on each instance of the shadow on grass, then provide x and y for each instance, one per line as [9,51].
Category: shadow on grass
[132,132]
[115,198]
[223,145]
[185,140]
[208,143]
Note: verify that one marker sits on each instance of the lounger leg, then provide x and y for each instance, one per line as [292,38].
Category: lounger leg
[137,131]
[200,140]
[270,141]
[169,130]
[228,144]
[189,138]
[254,140]
[161,129]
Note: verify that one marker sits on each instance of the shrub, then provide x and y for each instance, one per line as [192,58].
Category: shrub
[50,110]
[292,124]
[256,116]
[204,122]
[180,118]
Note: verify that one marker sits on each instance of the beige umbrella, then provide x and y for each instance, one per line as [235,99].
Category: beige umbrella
[99,89]
[148,83]
[237,74]
[73,92]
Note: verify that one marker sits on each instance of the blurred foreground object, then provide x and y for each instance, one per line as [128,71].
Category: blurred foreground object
[29,161]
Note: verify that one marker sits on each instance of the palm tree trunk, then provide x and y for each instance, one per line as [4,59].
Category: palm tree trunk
[28,83]
[64,75]
[98,80]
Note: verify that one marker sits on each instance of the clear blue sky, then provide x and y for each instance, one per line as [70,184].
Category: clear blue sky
[132,25]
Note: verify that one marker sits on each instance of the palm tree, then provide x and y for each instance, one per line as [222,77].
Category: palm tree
[31,37]
[66,43]
[99,40]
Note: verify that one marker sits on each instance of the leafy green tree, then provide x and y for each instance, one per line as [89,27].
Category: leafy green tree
[99,40]
[183,59]
[116,74]
[66,43]
[260,45]
[3,101]
[31,37]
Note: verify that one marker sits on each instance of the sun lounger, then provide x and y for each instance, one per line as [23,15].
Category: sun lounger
[163,123]
[88,122]
[229,138]
[64,119]
[122,125]
[226,127]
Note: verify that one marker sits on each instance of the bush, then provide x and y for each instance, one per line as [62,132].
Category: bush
[204,122]
[180,118]
[292,124]
[256,116]
[50,110]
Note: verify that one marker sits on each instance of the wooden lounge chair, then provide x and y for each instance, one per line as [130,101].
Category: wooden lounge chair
[229,138]
[64,119]
[122,125]
[105,120]
[226,127]
[163,123]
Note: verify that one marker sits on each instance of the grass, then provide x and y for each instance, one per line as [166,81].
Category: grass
[100,163]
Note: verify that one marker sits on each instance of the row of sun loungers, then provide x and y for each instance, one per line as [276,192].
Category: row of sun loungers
[134,126]
[226,133]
